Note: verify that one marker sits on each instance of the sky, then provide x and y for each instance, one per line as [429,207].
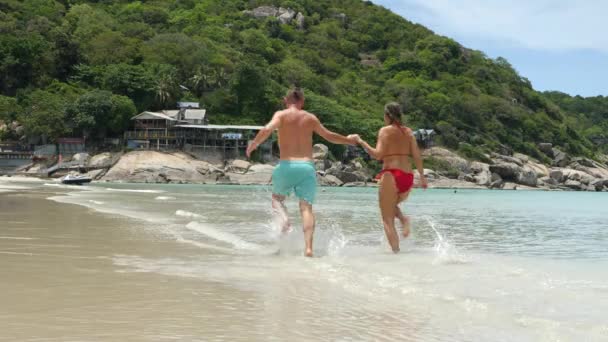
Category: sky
[557,44]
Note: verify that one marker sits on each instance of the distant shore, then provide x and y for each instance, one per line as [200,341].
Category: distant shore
[516,172]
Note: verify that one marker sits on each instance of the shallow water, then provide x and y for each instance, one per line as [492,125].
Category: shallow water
[479,266]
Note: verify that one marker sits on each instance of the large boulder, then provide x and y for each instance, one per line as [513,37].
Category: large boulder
[81,158]
[547,181]
[557,175]
[506,171]
[546,148]
[522,157]
[349,177]
[540,169]
[259,174]
[320,151]
[238,165]
[583,177]
[560,159]
[454,160]
[573,184]
[286,15]
[329,180]
[322,164]
[101,161]
[499,158]
[527,177]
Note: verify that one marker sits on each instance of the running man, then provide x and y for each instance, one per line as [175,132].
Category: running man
[296,169]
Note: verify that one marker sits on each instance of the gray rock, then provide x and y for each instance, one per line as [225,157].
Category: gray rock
[524,158]
[286,15]
[348,177]
[478,167]
[548,181]
[560,158]
[507,171]
[546,148]
[483,178]
[320,151]
[329,180]
[495,177]
[508,159]
[81,158]
[527,178]
[322,164]
[470,178]
[300,21]
[584,162]
[239,165]
[101,161]
[557,175]
[263,12]
[497,184]
[572,184]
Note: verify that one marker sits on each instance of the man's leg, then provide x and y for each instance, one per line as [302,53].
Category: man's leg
[278,206]
[308,222]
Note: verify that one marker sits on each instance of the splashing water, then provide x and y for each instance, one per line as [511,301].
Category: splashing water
[446,252]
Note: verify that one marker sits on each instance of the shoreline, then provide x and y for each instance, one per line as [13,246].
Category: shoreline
[450,171]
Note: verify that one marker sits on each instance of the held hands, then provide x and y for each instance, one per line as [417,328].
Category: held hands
[354,139]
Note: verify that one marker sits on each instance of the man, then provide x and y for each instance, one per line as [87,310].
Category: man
[296,169]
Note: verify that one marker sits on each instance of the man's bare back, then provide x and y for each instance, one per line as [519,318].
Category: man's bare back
[295,134]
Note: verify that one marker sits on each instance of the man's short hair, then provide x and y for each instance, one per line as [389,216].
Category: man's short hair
[295,94]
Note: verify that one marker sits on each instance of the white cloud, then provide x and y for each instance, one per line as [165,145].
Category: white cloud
[533,24]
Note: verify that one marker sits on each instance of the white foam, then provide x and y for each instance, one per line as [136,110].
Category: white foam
[165,198]
[216,234]
[188,214]
[15,238]
[96,202]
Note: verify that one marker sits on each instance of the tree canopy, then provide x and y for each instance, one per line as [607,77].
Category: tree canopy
[84,67]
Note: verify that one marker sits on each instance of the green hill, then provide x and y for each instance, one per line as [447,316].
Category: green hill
[75,66]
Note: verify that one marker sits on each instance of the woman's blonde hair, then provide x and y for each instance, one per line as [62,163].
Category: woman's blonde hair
[393,111]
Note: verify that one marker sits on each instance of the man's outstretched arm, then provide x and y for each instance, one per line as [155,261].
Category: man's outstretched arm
[332,137]
[264,134]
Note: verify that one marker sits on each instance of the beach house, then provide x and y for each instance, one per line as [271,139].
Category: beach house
[188,129]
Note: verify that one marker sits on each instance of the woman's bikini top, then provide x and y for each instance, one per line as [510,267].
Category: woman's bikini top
[403,130]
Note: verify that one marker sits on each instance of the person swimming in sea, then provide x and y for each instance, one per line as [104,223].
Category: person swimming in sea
[396,147]
[296,169]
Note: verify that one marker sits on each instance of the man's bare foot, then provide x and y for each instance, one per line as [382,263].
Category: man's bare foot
[405,224]
[308,253]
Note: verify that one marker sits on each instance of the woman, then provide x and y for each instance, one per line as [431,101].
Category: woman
[395,148]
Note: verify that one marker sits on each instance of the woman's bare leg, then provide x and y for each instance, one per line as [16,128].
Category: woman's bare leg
[388,199]
[405,220]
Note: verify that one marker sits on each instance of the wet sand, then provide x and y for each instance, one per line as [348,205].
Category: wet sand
[59,281]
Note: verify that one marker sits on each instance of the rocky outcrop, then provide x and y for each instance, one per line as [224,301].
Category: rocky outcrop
[256,174]
[329,180]
[284,15]
[157,167]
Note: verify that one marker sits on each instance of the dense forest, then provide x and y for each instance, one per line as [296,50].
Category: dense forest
[76,67]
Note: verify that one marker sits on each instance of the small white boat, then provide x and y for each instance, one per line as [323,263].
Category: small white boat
[76,180]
